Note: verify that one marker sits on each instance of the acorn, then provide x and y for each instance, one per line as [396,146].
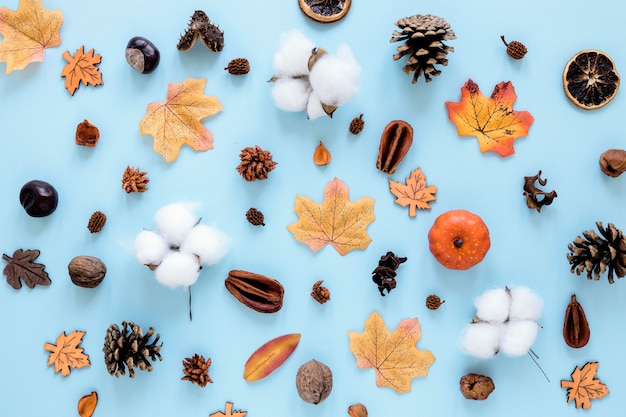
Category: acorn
[515,49]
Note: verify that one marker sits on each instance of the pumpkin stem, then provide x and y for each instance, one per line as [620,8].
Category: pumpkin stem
[458,242]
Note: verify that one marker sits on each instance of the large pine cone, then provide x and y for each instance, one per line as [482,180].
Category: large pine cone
[423,36]
[595,253]
[129,348]
[256,163]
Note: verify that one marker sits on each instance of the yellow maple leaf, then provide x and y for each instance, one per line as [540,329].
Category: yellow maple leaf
[394,356]
[81,67]
[414,193]
[176,121]
[584,387]
[337,221]
[66,354]
[27,32]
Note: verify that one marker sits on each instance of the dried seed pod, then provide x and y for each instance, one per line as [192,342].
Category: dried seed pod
[433,302]
[536,198]
[395,142]
[255,291]
[321,156]
[196,370]
[86,271]
[134,180]
[476,387]
[613,162]
[314,381]
[238,66]
[96,221]
[320,293]
[87,134]
[255,217]
[356,125]
[357,410]
[87,404]
[576,330]
[514,49]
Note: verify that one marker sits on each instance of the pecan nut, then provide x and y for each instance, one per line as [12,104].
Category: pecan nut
[255,291]
[576,330]
[395,142]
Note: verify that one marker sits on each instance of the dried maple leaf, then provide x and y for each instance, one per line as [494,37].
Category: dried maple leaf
[337,221]
[583,387]
[66,354]
[81,67]
[492,120]
[21,265]
[394,356]
[229,412]
[27,32]
[415,193]
[176,121]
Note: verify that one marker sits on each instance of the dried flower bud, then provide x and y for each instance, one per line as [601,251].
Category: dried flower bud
[613,162]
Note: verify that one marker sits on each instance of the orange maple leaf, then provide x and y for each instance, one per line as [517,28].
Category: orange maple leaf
[66,354]
[394,356]
[81,67]
[583,387]
[176,121]
[337,221]
[492,120]
[415,193]
[27,32]
[229,412]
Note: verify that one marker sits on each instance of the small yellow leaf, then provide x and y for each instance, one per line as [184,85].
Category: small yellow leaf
[270,356]
[66,354]
[584,387]
[415,193]
[81,68]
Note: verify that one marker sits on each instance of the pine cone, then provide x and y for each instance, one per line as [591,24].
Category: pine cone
[356,125]
[134,180]
[255,217]
[96,221]
[129,348]
[238,66]
[320,293]
[433,302]
[255,163]
[196,370]
[423,36]
[595,253]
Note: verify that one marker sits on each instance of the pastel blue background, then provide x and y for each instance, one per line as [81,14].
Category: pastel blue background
[37,123]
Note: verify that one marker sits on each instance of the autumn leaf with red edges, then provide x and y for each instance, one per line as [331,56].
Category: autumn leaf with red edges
[491,120]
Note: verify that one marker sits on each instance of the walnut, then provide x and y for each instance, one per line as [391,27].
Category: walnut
[86,271]
[476,387]
[314,381]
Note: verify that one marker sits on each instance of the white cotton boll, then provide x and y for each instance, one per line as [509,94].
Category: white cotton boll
[178,269]
[149,247]
[481,340]
[314,107]
[525,304]
[290,94]
[493,305]
[293,57]
[209,243]
[174,221]
[518,337]
[335,78]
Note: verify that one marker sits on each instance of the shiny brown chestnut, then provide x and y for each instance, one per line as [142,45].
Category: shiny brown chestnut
[39,198]
[142,55]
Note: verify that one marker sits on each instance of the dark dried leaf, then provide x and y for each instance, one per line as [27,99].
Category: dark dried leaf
[21,265]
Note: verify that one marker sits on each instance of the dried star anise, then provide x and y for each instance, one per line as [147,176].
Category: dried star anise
[196,370]
[134,180]
[384,275]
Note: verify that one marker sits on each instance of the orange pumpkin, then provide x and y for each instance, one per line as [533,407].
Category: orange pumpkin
[459,239]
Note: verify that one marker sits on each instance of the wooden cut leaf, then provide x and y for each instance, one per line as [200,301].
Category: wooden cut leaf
[176,121]
[394,356]
[27,32]
[337,221]
[21,265]
[87,404]
[270,356]
[81,68]
[583,387]
[491,119]
[414,193]
[229,412]
[66,354]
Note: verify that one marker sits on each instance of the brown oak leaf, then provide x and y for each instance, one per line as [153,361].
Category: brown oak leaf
[337,221]
[81,67]
[394,356]
[414,193]
[491,119]
[229,412]
[27,32]
[66,354]
[176,121]
[583,387]
[21,265]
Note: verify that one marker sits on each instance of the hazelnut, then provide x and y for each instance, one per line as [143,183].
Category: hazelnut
[314,381]
[357,410]
[86,271]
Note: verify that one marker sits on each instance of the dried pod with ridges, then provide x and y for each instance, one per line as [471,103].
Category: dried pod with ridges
[514,49]
[255,291]
[87,404]
[270,356]
[96,221]
[255,217]
[86,271]
[395,141]
[356,125]
[433,302]
[238,66]
[576,330]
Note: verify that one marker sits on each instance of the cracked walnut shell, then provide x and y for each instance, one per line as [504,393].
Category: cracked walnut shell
[476,387]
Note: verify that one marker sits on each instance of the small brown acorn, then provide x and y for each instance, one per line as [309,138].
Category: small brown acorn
[515,49]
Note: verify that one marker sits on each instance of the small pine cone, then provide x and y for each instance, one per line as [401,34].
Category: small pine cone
[96,221]
[238,66]
[433,302]
[515,49]
[196,370]
[356,125]
[320,294]
[255,217]
[134,180]
[130,348]
[423,37]
[256,163]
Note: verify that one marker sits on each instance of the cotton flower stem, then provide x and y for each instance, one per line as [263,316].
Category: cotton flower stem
[190,316]
[534,357]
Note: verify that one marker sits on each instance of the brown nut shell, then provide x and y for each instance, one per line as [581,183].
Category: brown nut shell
[476,387]
[86,271]
[255,291]
[314,381]
[357,410]
[576,330]
[613,162]
[395,142]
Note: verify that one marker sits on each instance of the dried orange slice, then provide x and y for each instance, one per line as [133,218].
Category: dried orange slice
[590,79]
[325,11]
